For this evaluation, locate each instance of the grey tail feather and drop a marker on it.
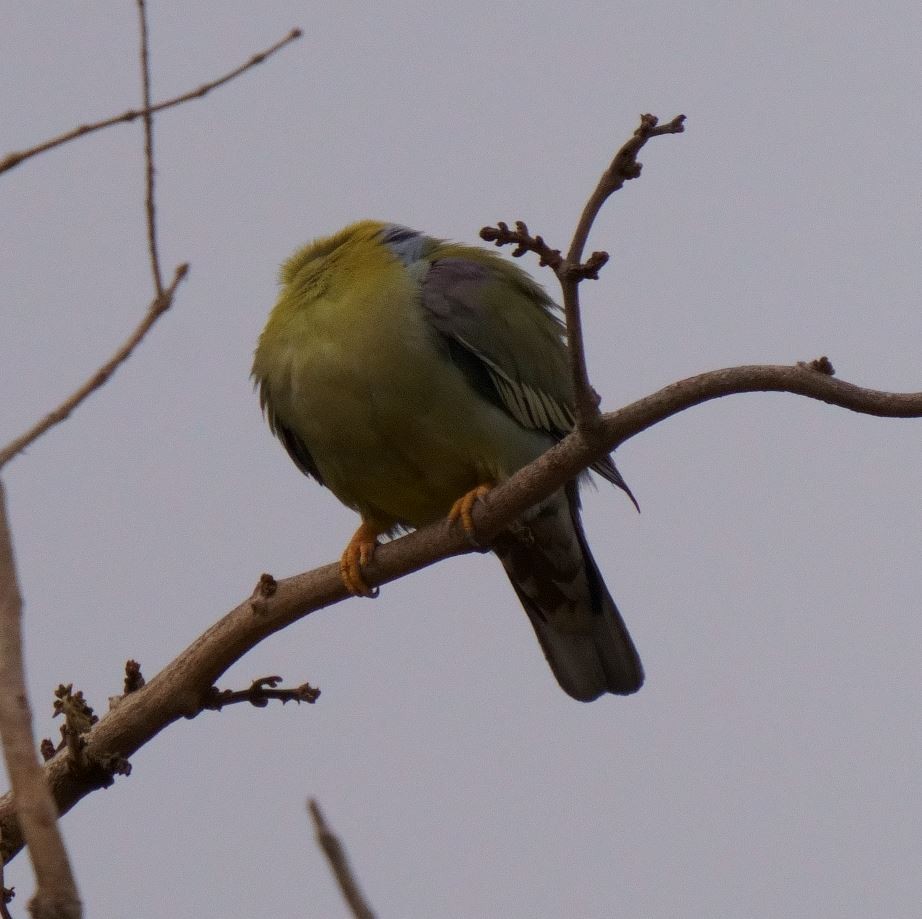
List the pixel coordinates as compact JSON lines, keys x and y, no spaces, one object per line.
{"x":558,"y":582}
{"x":608,"y":470}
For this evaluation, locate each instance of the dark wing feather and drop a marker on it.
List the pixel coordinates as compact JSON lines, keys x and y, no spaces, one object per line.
{"x":293,"y":444}
{"x":500,"y":329}
{"x":502,"y":332}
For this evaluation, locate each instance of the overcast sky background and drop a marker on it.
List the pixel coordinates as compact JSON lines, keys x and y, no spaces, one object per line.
{"x":771,"y":765}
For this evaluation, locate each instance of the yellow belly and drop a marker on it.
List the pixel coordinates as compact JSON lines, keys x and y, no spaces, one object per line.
{"x":394,"y":428}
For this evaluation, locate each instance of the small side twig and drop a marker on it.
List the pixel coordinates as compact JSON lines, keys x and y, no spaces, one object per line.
{"x":623,"y":168}
{"x":264,"y":590}
{"x":79,"y":717}
{"x":47,"y":749}
{"x":15,"y":158}
{"x":524,"y":242}
{"x":819,"y":365}
{"x":339,"y":863}
{"x":156,"y":309}
{"x":260,"y":693}
{"x":134,"y":679}
{"x":148,"y":118}
{"x":56,"y":889}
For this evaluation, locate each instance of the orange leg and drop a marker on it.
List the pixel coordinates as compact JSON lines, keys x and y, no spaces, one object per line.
{"x":358,"y":553}
{"x":461,"y":509}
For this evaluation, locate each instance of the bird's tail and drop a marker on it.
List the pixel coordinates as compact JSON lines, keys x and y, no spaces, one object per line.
{"x":577,"y":623}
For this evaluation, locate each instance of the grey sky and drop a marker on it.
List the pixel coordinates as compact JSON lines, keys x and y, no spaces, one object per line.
{"x":770,"y":767}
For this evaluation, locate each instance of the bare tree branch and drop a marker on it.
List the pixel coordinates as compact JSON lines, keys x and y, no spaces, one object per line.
{"x":56,"y":890}
{"x":339,"y":863}
{"x":156,"y":309}
{"x":148,"y":117}
{"x":572,"y":270}
{"x":32,"y":806}
{"x":623,"y":168}
{"x":181,"y":689}
{"x":260,"y":692}
{"x":15,"y":158}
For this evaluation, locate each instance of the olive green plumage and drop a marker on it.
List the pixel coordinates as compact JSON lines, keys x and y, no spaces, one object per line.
{"x":402,"y":371}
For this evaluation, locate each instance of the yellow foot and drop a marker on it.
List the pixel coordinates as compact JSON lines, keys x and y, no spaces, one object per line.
{"x":358,"y":553}
{"x":461,"y":510}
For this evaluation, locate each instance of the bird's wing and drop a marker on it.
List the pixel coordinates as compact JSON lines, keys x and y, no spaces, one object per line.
{"x":502,"y":330}
{"x":506,"y":338}
{"x":292,"y":443}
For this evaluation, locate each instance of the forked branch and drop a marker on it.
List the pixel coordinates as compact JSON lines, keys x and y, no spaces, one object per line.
{"x":20,"y":156}
{"x":157,"y":308}
{"x":571,"y":270}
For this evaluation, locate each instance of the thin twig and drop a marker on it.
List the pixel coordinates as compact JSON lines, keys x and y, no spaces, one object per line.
{"x":339,"y":863}
{"x":156,"y":309}
{"x":79,"y":717}
{"x":56,"y":890}
{"x":263,"y":591}
{"x":259,"y":694}
{"x":501,"y":235}
{"x":572,"y":270}
{"x":134,"y":679}
{"x":623,"y":167}
{"x":15,"y":158}
{"x":148,"y":118}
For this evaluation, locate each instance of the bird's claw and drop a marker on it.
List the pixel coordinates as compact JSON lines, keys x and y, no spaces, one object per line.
{"x":358,"y":553}
{"x":462,"y":509}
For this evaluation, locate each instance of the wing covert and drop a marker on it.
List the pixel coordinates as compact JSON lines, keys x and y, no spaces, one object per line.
{"x":503,"y":331}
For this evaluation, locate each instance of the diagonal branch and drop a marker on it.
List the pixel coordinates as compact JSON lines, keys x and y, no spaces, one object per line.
{"x":156,"y":309}
{"x":56,"y":889}
{"x":623,"y":168}
{"x":339,"y":864}
{"x":15,"y":158}
{"x":181,"y":689}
